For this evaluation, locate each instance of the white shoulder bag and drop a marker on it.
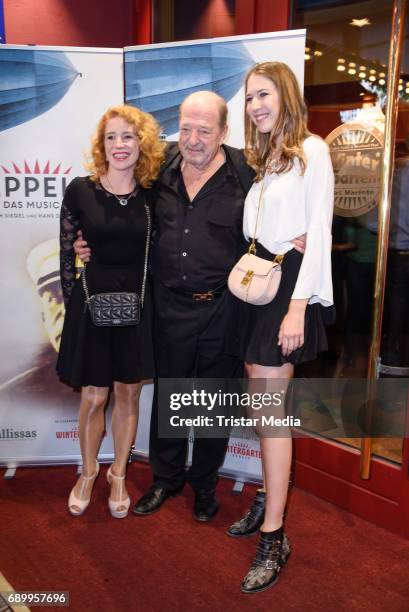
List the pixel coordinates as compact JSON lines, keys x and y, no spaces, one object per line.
{"x":253,"y":279}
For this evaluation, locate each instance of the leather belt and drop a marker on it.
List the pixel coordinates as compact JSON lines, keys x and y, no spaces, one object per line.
{"x":201,"y":296}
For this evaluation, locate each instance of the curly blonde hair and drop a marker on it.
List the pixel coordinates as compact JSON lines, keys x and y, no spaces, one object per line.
{"x":290,"y":129}
{"x":151,"y":148}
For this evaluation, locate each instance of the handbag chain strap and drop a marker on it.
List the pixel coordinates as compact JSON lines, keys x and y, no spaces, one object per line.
{"x":145,"y":266}
{"x":253,"y":248}
{"x":148,"y":240}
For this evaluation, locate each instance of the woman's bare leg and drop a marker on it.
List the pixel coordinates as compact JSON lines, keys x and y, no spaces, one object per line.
{"x":91,"y":428}
{"x":276,"y":455}
{"x":124,"y":423}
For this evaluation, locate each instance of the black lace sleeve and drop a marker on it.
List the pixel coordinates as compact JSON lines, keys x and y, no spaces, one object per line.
{"x":69,"y":225}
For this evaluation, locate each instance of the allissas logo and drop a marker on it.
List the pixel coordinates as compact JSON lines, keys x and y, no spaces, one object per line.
{"x":9,"y":433}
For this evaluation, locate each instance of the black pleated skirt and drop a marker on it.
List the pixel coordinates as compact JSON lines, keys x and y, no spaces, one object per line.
{"x":253,"y":333}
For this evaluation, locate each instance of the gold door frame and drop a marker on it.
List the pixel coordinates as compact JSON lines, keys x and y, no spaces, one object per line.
{"x":388,"y":161}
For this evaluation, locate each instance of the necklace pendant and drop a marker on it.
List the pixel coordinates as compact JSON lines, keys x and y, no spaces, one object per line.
{"x":123,"y":201}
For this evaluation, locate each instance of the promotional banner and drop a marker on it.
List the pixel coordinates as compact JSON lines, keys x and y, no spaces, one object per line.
{"x":159,"y":77}
{"x":50,"y":102}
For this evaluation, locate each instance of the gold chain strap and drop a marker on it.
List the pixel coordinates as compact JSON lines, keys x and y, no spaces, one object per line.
{"x":252,"y":248}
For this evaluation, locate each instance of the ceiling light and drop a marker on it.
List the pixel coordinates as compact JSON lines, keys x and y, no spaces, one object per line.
{"x":341,"y":60}
{"x":351,"y":71}
{"x":318,"y":53}
{"x":360,"y":23}
{"x":372,"y":78}
{"x":340,"y":68}
{"x":382,"y":75}
{"x":381,"y":81}
{"x":307,"y":56}
{"x":362,"y":75}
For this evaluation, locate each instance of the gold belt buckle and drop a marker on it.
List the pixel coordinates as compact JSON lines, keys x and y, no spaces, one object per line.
{"x":246,"y":280}
{"x":203,"y":297}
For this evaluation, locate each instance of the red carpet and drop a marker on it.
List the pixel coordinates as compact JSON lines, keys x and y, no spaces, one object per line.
{"x":169,"y":562}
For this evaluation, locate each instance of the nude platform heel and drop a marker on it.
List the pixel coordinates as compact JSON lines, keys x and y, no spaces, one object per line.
{"x":114,"y":505}
{"x":82,"y":504}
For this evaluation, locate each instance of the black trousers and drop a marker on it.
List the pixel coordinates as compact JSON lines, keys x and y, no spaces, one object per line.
{"x":360,"y":280}
{"x":189,"y":342}
{"x":396,"y":316}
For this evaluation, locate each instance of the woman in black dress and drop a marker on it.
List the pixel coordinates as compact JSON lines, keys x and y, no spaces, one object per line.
{"x":110,"y":207}
{"x":292,"y":195}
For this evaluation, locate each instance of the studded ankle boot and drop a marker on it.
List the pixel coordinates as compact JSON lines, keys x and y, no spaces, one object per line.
{"x":273,"y":550}
{"x":252,"y":520}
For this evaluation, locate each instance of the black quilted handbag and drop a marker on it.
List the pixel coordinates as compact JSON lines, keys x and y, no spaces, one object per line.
{"x":120,"y":308}
{"x":115,"y":309}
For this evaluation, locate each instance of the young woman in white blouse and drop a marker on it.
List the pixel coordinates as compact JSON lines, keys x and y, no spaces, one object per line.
{"x":294,"y":186}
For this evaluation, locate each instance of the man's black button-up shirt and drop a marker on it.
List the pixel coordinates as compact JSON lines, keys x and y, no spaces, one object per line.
{"x":196,"y":243}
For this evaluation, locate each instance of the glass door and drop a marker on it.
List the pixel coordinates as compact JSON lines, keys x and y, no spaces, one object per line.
{"x":346,"y":75}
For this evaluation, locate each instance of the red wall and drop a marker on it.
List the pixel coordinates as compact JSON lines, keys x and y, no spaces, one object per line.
{"x":210,"y":18}
{"x":118,"y":23}
{"x":142,"y":18}
{"x":221,"y":18}
{"x":254,"y":16}
{"x":95,"y":23}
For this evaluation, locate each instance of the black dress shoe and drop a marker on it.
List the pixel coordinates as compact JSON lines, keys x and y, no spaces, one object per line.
{"x":206,"y":506}
{"x":273,"y":550}
{"x":153,"y":500}
{"x":252,"y":520}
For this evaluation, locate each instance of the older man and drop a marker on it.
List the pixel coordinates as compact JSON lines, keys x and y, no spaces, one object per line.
{"x":198,"y":232}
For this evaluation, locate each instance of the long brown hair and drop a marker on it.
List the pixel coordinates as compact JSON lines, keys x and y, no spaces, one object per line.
{"x":151,"y":148}
{"x":290,"y":129}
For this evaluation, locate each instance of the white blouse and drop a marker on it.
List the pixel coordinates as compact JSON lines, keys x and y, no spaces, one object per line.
{"x":295,"y":204}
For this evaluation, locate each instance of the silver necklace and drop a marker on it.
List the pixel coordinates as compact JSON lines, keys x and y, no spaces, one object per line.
{"x":123,"y":201}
